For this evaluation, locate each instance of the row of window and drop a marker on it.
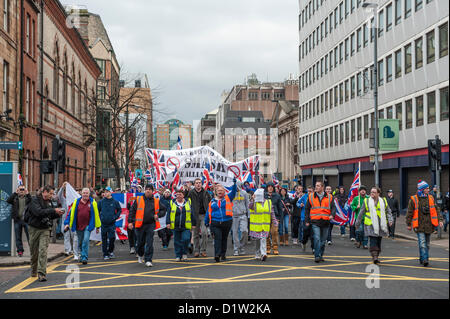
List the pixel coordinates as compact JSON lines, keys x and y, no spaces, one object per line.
{"x":392,"y":66}
{"x":358,"y":39}
{"x":254,"y":96}
{"x":358,"y":129}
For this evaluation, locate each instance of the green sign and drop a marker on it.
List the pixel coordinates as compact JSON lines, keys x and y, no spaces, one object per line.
{"x":389,"y":133}
{"x":7,"y":145}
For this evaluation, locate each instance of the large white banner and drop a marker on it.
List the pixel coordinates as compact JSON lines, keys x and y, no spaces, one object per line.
{"x":188,"y":164}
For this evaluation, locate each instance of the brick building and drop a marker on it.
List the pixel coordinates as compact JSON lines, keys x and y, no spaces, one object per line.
{"x":65,"y":85}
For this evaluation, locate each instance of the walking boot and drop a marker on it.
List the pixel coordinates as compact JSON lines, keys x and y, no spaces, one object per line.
{"x":286,"y":240}
{"x":281,"y":240}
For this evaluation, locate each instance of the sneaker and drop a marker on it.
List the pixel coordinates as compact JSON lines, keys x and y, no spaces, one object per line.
{"x":196,"y":255}
{"x":352,"y":239}
{"x":76,"y":257}
{"x":106,"y":258}
{"x":236,"y":253}
{"x":112,"y":256}
{"x":342,"y":235}
{"x":263,"y":258}
{"x":294,"y":242}
{"x":257,"y":257}
{"x":366,"y":247}
{"x":149,"y":264}
{"x":329,"y":243}
{"x":42,"y":277}
{"x":140,"y":260}
{"x":84,"y":262}
{"x":425,"y":263}
{"x":204,"y":254}
{"x":177,"y":259}
{"x":184,"y":258}
{"x":132,"y":250}
{"x":317,"y":260}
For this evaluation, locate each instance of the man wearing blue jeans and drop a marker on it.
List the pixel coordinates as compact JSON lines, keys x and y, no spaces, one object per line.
{"x":109,"y":210}
{"x":83,"y":218}
{"x":319,"y":211}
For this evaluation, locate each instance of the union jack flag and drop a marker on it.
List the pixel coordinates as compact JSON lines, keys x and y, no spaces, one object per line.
{"x":275,"y":180}
{"x":353,"y":192}
{"x":247,"y":177}
{"x":208,"y":177}
{"x":19,"y":180}
{"x":148,"y":175}
{"x":157,"y":163}
{"x":251,"y":165}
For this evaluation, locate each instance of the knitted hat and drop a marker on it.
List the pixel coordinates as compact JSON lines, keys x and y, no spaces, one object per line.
{"x":422,"y":185}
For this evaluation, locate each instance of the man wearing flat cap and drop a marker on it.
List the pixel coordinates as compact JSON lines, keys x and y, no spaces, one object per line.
{"x":393,"y":204}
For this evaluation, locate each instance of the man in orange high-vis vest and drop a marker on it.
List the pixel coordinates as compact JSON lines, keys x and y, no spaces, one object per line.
{"x":423,"y":216}
{"x":319,"y":211}
{"x":144,"y":217}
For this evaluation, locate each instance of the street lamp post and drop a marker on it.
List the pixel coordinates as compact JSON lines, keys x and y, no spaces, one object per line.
{"x":374,"y":8}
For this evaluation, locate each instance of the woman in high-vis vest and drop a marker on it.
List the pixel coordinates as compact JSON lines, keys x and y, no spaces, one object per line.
{"x":261,"y":215}
{"x":181,"y":220}
{"x":376,"y":215}
{"x":422,"y":217}
{"x":220,"y":218}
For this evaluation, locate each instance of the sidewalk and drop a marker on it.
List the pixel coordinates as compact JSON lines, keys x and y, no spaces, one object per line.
{"x":54,"y":251}
{"x":402,"y":232}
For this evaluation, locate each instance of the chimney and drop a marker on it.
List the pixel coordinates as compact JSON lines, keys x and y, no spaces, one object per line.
{"x":137,"y":83}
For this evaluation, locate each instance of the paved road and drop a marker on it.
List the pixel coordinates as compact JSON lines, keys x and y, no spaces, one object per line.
{"x":291,"y":275}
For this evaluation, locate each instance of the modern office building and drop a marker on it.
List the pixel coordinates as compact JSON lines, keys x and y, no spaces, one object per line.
{"x":166,"y":135}
{"x":336,"y":54}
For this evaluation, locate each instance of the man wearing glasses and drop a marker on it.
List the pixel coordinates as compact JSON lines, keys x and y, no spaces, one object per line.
{"x":19,"y":201}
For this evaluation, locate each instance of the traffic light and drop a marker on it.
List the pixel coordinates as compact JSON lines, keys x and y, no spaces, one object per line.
{"x":434,"y":153}
{"x":59,"y":154}
{"x":47,"y":167}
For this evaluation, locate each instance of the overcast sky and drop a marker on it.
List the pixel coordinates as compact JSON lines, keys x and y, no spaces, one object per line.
{"x":192,"y":50}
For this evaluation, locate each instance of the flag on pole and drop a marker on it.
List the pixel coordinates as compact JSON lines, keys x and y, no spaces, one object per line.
{"x":19,"y":180}
{"x":179,"y":145}
{"x":345,"y":214}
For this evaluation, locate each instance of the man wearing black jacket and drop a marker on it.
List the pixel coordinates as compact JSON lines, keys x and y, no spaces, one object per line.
{"x":274,"y":241}
{"x":39,"y":216}
{"x":200,"y":199}
{"x":393,"y":204}
{"x":145,"y":225}
{"x":19,"y":201}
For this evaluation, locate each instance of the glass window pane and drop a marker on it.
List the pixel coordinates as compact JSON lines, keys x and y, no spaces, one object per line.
{"x":409,"y":114}
{"x":407,"y":8}
{"x":399,"y":114}
{"x":418,"y":5}
{"x":430,"y":47}
{"x":389,"y":68}
{"x":359,"y":128}
{"x":380,"y":73}
{"x":419,"y":110}
{"x":380,"y":23}
{"x":389,"y":113}
{"x":398,"y":11}
{"x":419,"y":53}
{"x":444,"y":103}
{"x":398,"y":64}
{"x":388,"y":17}
{"x":408,"y":59}
{"x":431,"y":107}
{"x":443,"y":40}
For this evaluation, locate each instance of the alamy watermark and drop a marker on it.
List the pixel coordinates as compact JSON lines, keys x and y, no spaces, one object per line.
{"x":73,"y":279}
{"x":373,"y":280}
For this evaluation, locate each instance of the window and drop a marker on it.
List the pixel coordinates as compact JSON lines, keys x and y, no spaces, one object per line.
{"x":419,"y":53}
{"x":358,"y":84}
{"x":347,"y":8}
{"x":347,"y":90}
{"x":336,"y":135}
{"x":326,"y":27}
{"x":341,"y":93}
{"x":331,"y":21}
{"x":341,"y":53}
{"x":326,"y":138}
{"x":347,"y":133}
{"x":398,"y":63}
{"x":359,"y":128}
{"x":326,"y":101}
{"x":331,"y":98}
{"x":358,"y":40}
{"x":331,"y":60}
{"x":444,"y":103}
{"x":6,"y":15}
{"x":353,"y":5}
{"x":326,"y":64}
{"x":408,"y":59}
{"x":430,"y":47}
{"x":419,"y":110}
{"x":443,"y":40}
{"x":336,"y":18}
{"x":398,"y":11}
{"x":352,"y":44}
{"x":380,"y":73}
{"x":352,"y":130}
{"x":366,"y":126}
{"x":389,"y":68}
{"x":380,"y":23}
{"x":265,"y":95}
{"x":366,"y":80}
{"x":321,"y":140}
{"x":336,"y":57}
{"x":33,"y":32}
{"x":365,"y":35}
{"x":5,"y":100}
{"x":431,"y":107}
{"x":407,"y":8}
{"x":398,"y":114}
{"x":347,"y":48}
{"x":27,"y":101}
{"x":388,"y":17}
{"x":418,"y":5}
{"x":409,"y":114}
{"x":252,"y":95}
{"x":389,"y":112}
{"x":331,"y":137}
{"x":341,"y":12}
{"x":381,"y":114}
{"x":27,"y":34}
{"x":352,"y":87}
